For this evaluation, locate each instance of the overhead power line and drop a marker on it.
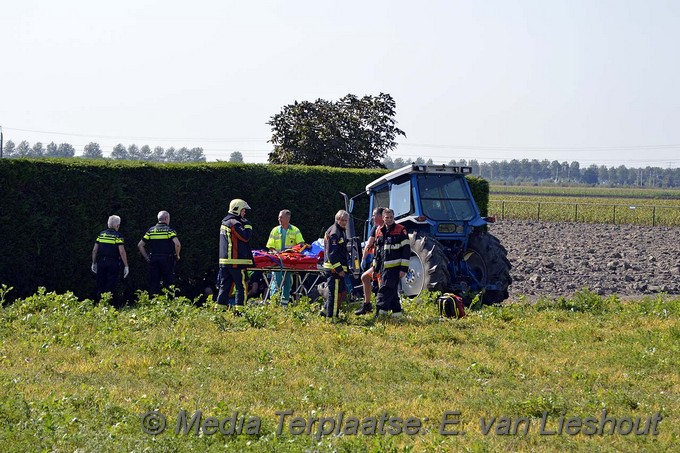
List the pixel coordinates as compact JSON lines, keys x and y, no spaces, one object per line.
{"x":543,"y":148}
{"x":232,"y":146}
{"x":420,"y":145}
{"x":192,"y":139}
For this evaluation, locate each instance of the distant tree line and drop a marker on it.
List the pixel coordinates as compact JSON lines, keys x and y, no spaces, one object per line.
{"x":533,"y":171}
{"x":93,"y":151}
{"x":515,"y":171}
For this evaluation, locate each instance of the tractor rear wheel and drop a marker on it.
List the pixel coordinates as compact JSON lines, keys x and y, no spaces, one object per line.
{"x":428,"y":267}
{"x":487,"y":262}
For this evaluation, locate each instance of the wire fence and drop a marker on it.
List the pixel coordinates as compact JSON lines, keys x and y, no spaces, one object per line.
{"x":555,"y":211}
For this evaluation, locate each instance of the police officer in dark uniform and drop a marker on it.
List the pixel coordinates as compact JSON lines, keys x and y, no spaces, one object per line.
{"x":164,"y":251}
{"x":107,"y":255}
{"x":235,"y":255}
{"x":335,"y":261}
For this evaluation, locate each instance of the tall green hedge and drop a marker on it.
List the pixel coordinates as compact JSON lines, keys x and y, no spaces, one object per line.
{"x":52,"y":210}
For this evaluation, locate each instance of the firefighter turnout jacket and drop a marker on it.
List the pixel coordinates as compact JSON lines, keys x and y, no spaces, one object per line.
{"x":335,"y":254}
{"x":393,"y":249}
{"x":235,"y":233}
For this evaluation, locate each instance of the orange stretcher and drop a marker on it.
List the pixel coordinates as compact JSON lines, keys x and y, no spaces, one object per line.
{"x":294,"y":258}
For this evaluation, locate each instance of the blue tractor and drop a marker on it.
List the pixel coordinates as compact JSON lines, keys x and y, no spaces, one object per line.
{"x":451,"y":251}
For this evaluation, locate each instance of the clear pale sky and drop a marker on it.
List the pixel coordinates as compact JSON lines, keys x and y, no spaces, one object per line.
{"x":597,"y":81}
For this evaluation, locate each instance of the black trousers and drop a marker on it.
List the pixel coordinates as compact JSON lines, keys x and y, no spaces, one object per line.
{"x":232,"y":279}
{"x":161,"y":272}
{"x":388,"y":297}
{"x":107,"y":275}
{"x":336,"y":291}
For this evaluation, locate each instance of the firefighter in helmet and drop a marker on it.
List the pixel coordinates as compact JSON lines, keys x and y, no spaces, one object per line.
{"x":235,"y":254}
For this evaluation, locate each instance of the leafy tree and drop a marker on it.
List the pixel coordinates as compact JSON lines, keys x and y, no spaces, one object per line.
{"x":145,"y":152}
{"x":590,"y":175}
{"x":23,"y":149}
{"x":494,"y":168}
{"x":514,"y":169}
{"x":119,"y":152}
{"x":92,"y":151}
{"x":622,"y":176}
{"x":603,"y":174}
{"x":555,"y":169}
{"x":63,"y":150}
{"x":353,"y":132}
{"x":575,"y":171}
{"x":185,"y":154}
{"x":66,"y":150}
{"x":399,"y":162}
{"x":158,"y":154}
{"x":236,"y":156}
{"x":196,"y":155}
{"x":37,"y":150}
{"x":182,"y":155}
{"x":564,"y":171}
{"x":133,"y":152}
{"x":51,"y":150}
{"x":475,"y":166}
{"x":8,"y":149}
{"x":387,"y":162}
{"x":170,"y":154}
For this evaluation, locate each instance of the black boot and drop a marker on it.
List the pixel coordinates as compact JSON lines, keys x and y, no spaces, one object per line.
{"x":365,"y":308}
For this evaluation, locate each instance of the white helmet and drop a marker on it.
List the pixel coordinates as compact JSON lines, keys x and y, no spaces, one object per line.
{"x":236,"y":205}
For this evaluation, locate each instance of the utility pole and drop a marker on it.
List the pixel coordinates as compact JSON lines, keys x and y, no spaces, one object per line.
{"x":1,"y":145}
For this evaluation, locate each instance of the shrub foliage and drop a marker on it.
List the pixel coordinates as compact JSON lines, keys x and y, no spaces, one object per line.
{"x":52,"y":210}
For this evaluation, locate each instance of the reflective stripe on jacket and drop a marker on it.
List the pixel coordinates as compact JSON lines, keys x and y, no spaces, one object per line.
{"x":335,"y":254}
{"x":293,"y":237}
{"x":393,"y":248}
{"x":108,"y":241}
{"x":160,"y":239}
{"x":235,"y":233}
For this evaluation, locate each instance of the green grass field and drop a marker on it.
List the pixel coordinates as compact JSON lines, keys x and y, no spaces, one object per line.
{"x":78,"y":377}
{"x":586,"y":204}
{"x":587,"y":191}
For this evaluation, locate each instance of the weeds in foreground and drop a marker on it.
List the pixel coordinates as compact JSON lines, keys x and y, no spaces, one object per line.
{"x":79,"y":376}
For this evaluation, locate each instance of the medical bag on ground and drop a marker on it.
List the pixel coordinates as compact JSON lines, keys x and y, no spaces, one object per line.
{"x":451,"y":306}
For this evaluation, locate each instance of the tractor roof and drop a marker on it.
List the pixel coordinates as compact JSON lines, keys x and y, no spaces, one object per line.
{"x":419,"y":168}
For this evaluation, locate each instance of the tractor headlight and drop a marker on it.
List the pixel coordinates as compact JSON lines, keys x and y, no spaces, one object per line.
{"x":447,"y":228}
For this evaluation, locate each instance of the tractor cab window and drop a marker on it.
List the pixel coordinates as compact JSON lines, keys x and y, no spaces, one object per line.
{"x":400,"y":199}
{"x":381,"y":197}
{"x":444,"y":197}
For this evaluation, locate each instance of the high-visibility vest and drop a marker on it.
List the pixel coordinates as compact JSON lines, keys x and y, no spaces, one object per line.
{"x":293,"y":237}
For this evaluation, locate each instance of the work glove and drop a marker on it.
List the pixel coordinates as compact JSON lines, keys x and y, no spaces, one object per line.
{"x":365,"y":264}
{"x":94,"y":268}
{"x":349,"y":287}
{"x":126,"y":271}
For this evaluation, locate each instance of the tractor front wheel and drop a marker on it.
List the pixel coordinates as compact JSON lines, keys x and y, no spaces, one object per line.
{"x":428,"y":267}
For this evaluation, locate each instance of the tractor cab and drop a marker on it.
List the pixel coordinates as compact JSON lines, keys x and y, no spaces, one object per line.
{"x":450,"y":248}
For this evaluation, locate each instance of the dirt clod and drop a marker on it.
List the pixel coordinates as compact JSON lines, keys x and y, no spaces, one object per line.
{"x":553,"y":259}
